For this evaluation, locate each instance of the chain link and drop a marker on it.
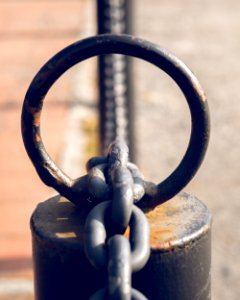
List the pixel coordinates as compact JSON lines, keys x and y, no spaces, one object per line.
{"x":102,"y":175}
{"x":120,"y":182}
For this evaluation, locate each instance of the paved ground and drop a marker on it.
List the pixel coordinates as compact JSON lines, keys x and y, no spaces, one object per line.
{"x":204,"y":34}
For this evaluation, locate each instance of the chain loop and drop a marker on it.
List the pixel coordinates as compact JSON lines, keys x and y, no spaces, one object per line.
{"x":115,"y":179}
{"x":121,"y":206}
{"x":119,"y":268}
{"x":96,"y":231}
{"x":112,"y":175}
{"x":97,"y":187}
{"x":138,"y":182}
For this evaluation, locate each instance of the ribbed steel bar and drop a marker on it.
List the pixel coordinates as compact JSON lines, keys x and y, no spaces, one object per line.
{"x":115,"y":88}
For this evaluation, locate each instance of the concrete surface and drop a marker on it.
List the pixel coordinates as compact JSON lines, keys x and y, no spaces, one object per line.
{"x":205,"y":35}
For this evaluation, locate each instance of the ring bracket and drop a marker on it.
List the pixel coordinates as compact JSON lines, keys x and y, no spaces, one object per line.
{"x":125,"y":45}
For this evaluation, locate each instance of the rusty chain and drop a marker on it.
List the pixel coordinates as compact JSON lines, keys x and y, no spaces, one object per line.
{"x":105,"y":245}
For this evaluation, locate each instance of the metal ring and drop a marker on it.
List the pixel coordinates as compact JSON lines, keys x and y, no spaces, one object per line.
{"x":138,"y":182}
{"x":97,"y":186}
{"x":126,"y":45}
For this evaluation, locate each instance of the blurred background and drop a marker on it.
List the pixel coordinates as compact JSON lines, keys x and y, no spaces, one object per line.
{"x":204,"y":34}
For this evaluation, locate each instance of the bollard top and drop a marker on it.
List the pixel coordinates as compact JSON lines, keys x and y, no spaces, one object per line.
{"x":173,"y":225}
{"x":58,"y":223}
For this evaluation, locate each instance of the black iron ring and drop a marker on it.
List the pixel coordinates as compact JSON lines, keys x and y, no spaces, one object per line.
{"x":126,"y":45}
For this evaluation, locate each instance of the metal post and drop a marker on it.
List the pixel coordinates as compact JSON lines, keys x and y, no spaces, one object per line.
{"x":61,"y":269}
{"x":178,"y":268}
{"x":114,"y":72}
{"x":180,"y":262}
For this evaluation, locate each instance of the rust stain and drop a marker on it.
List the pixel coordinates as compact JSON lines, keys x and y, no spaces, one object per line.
{"x":161,"y":238}
{"x":180,"y":65}
{"x":127,"y":233}
{"x":198,"y":88}
{"x":158,"y":213}
{"x":38,"y":137}
{"x":177,"y":222}
{"x":32,"y":110}
{"x":66,"y":235}
{"x":163,"y":231}
{"x":36,"y":114}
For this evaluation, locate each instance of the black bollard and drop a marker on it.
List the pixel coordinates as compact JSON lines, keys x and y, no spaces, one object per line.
{"x":179,"y":264}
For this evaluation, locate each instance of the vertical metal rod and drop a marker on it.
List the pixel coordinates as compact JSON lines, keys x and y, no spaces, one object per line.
{"x":114,"y":72}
